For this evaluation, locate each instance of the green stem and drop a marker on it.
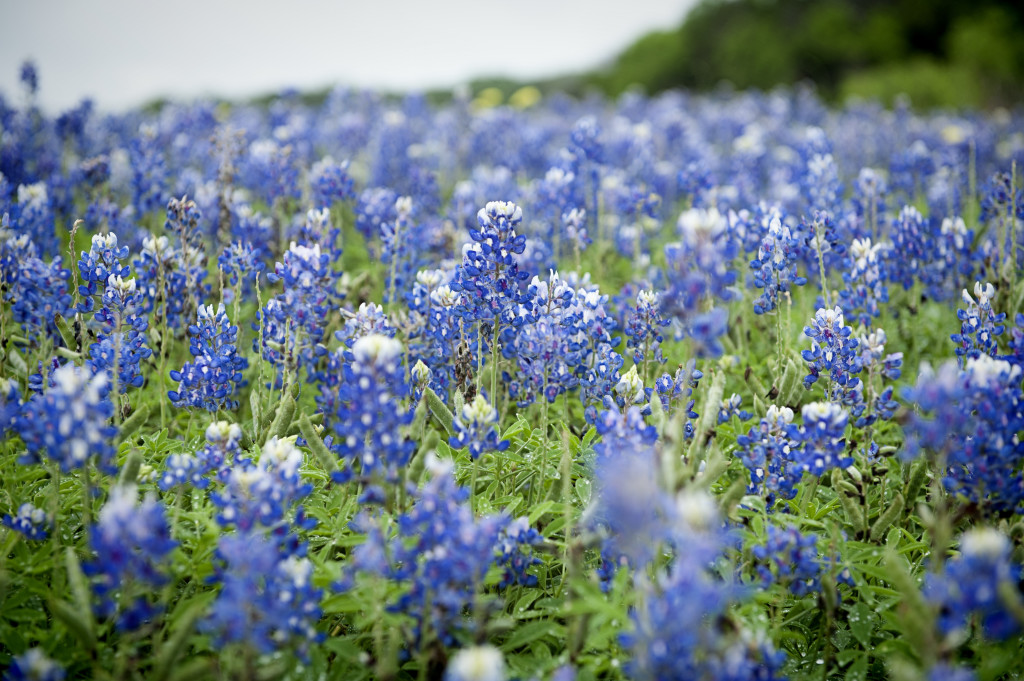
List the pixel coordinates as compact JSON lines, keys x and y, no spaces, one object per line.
{"x":494,"y":358}
{"x":86,"y":497}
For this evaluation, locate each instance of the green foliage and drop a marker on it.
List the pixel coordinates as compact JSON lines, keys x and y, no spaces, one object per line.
{"x":940,"y":54}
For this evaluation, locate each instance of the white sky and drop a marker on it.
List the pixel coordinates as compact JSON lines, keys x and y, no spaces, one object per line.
{"x":125,"y":52}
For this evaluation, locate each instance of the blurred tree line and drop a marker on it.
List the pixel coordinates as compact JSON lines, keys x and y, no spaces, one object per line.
{"x":939,"y":52}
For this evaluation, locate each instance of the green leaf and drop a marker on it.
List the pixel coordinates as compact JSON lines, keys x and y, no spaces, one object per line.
{"x":439,"y":409}
{"x":75,"y":621}
{"x":861,"y":620}
{"x":324,"y":455}
{"x":173,"y":647}
{"x":858,"y":671}
{"x":532,"y":631}
{"x":583,"y":490}
{"x":80,"y":590}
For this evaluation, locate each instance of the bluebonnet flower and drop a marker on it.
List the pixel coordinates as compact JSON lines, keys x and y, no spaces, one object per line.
{"x":476,"y":428}
{"x":865,"y":281}
{"x":34,"y":215}
{"x":822,"y":445}
{"x":241,"y":262}
{"x":515,"y":553}
{"x":131,"y":542}
{"x":250,"y":226}
{"x":938,"y":254}
{"x":29,"y":76}
{"x":975,"y":583}
{"x":698,"y":271}
{"x":776,"y":266}
{"x":574,"y":222}
{"x":102,"y":261}
{"x":1015,"y":354}
{"x":34,"y":665}
{"x":183,"y":469}
{"x":588,"y":157}
{"x":489,"y":277}
{"x":820,"y":183}
{"x":10,"y":404}
{"x":477,"y":663}
{"x":262,"y":493}
{"x":149,"y":171}
{"x":869,"y":200}
{"x":270,"y":168}
{"x":440,"y":556}
{"x":398,"y":247}
{"x":643,"y":329}
{"x":979,"y":324}
{"x":673,"y":388}
{"x":629,"y":503}
{"x":30,"y":521}
{"x":975,"y":416}
{"x":999,"y":199}
{"x":438,"y":337}
{"x":294,"y":320}
{"x":770,"y":454}
{"x":267,"y":599}
{"x":368,"y":320}
{"x":943,"y":671}
{"x":69,"y":421}
{"x":374,"y":207}
{"x":599,"y":379}
{"x":550,"y":349}
{"x":365,"y":412}
{"x":678,"y":631}
{"x":122,"y":340}
{"x":732,"y":406}
{"x":216,"y":373}
{"x":789,"y":558}
{"x":833,"y":353}
{"x":888,"y":367}
{"x":35,"y":291}
{"x":330,"y":183}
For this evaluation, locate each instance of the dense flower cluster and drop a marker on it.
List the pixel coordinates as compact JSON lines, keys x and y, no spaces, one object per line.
{"x":131,"y":542}
{"x":968,"y":421}
{"x":980,"y":325}
{"x":977,"y":582}
{"x":833,"y":354}
{"x":769,"y":452}
{"x":366,"y":415}
{"x":699,"y":271}
{"x":440,"y":556}
{"x":212,"y":379}
{"x":775,"y":266}
{"x":69,"y":421}
{"x":267,"y":598}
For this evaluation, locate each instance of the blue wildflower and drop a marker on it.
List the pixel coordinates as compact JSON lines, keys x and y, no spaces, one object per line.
{"x":267,"y":598}
{"x":821,"y":438}
{"x":30,"y":521}
{"x":131,"y":542}
{"x":34,"y":665}
{"x":769,"y":453}
{"x":975,"y":583}
{"x":216,"y":373}
{"x":69,"y":421}
{"x":979,"y":324}
{"x":775,"y":266}
{"x":476,"y":428}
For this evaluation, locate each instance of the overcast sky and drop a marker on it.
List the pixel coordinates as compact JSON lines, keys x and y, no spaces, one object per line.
{"x":125,"y":52}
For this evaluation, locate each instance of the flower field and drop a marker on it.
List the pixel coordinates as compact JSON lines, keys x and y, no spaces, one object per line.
{"x":722,"y":386}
